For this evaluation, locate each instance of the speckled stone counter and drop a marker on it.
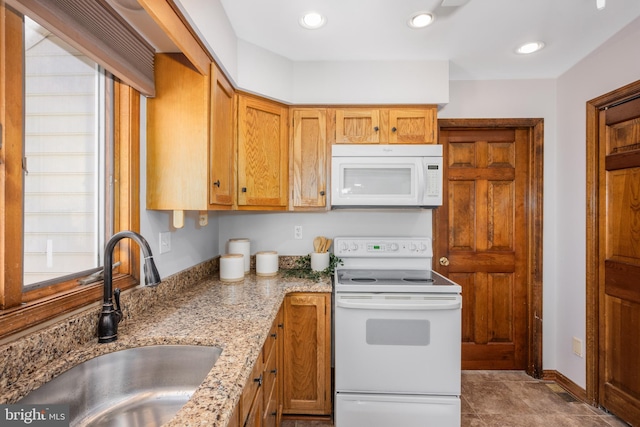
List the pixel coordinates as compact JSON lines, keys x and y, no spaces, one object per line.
{"x":235,"y":317}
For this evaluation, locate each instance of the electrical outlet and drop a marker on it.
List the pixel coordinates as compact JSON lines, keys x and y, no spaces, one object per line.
{"x":297,"y":232}
{"x":577,"y":347}
{"x":165,"y":242}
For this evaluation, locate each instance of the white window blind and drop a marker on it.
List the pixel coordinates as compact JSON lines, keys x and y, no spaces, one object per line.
{"x":95,"y":29}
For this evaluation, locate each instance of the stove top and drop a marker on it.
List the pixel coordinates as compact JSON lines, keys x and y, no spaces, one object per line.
{"x":388,"y":264}
{"x":390,"y":280}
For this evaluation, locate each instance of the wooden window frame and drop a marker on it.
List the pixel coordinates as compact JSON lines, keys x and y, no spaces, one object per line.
{"x":22,"y":310}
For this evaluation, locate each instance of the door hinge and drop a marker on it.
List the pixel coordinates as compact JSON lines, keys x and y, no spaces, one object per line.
{"x":24,"y":166}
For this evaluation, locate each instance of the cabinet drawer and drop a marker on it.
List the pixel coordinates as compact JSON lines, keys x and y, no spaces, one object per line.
{"x":270,"y":374}
{"x":271,"y":340}
{"x":251,"y":387}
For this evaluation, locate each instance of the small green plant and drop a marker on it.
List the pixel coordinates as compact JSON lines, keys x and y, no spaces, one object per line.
{"x":302,"y":268}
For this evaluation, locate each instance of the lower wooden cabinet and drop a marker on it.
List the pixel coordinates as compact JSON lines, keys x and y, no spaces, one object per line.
{"x":260,"y":403}
{"x":307,"y":354}
{"x":293,"y":372}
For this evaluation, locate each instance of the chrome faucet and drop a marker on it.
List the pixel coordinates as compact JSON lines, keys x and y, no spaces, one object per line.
{"x":110,"y":317}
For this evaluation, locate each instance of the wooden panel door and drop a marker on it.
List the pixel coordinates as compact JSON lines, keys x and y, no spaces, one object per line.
{"x":307,"y":354}
{"x":619,"y":224}
{"x":263,"y":167}
{"x":412,"y":126}
{"x":482,"y":241}
{"x":358,"y":126}
{"x":222,"y":151}
{"x":308,"y":158}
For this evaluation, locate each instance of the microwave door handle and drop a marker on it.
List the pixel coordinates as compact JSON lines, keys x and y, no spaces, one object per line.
{"x":398,"y":305}
{"x":421,"y":182}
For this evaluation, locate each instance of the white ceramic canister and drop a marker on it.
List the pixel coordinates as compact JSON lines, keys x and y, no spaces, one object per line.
{"x":266,"y":263}
{"x":231,"y":267}
{"x":241,"y":246}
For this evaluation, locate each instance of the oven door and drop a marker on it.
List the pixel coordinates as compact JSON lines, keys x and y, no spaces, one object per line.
{"x":398,"y":343}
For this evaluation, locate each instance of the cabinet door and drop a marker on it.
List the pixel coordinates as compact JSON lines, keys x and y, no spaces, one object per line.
{"x":358,"y":126}
{"x":177,"y":136}
{"x":308,"y":158}
{"x":307,"y":354}
{"x":223,"y":147}
{"x":262,"y":153}
{"x":412,"y":126}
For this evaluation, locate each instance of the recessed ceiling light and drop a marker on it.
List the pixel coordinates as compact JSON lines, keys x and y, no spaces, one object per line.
{"x":312,"y":20}
{"x":528,"y":48}
{"x":420,"y":19}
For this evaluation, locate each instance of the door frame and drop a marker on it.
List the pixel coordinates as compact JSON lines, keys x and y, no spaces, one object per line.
{"x":534,"y":205}
{"x":594,"y":270}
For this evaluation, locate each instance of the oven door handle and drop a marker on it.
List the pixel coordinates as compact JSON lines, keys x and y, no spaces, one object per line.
{"x":398,"y":304}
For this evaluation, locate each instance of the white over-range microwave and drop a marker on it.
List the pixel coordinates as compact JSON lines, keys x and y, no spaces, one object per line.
{"x":399,"y":176}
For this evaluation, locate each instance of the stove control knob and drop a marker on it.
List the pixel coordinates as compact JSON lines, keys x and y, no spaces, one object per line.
{"x":354,"y":246}
{"x":422,"y":247}
{"x":413,"y":247}
{"x":394,"y":247}
{"x":344,"y":246}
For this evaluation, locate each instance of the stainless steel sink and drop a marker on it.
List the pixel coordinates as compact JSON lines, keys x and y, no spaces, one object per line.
{"x":142,"y":386}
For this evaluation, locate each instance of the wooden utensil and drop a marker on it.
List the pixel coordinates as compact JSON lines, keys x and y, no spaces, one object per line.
{"x":316,"y":244}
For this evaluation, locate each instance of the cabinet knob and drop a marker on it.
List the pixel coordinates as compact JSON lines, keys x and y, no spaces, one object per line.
{"x":217,"y":183}
{"x":393,"y":129}
{"x":274,"y":335}
{"x":322,"y":193}
{"x":244,"y":189}
{"x":444,"y":261}
{"x":258,"y":380}
{"x":274,"y":372}
{"x":376,"y":128}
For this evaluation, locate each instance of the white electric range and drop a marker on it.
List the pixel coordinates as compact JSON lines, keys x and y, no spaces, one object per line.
{"x":397,"y":335}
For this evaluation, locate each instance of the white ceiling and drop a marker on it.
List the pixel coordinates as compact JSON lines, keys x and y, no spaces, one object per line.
{"x":478,"y":39}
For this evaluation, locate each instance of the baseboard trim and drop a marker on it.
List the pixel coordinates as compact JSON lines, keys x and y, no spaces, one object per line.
{"x":574,"y":389}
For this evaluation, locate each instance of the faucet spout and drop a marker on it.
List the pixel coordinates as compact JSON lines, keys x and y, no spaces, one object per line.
{"x":110,"y":316}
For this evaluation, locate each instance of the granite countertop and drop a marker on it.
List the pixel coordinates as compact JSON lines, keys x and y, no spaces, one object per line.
{"x":234,"y":316}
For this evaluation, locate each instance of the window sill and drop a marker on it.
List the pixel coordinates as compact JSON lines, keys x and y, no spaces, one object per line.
{"x":35,"y":312}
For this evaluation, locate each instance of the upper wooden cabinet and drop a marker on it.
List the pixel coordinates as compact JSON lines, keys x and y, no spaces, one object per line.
{"x":308,"y":159}
{"x":223,"y":142}
{"x":189,"y":126}
{"x":263,"y":169}
{"x":401,"y":125}
{"x":412,"y":126}
{"x":357,"y":126}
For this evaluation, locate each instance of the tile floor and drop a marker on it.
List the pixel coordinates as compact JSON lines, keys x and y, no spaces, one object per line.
{"x":514,"y":399}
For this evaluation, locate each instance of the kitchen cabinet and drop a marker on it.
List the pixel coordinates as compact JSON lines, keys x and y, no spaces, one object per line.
{"x":263,"y":168}
{"x":376,"y":125}
{"x":307,"y":354}
{"x":308,"y":160}
{"x":223,"y":142}
{"x":261,"y":402}
{"x":412,"y":126}
{"x":190,"y":129}
{"x":357,"y":126}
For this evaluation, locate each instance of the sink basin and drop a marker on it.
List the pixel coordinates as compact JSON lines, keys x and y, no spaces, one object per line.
{"x":142,"y":386}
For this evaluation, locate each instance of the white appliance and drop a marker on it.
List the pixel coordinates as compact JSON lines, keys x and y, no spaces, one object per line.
{"x":397,"y":335}
{"x":386,"y":175}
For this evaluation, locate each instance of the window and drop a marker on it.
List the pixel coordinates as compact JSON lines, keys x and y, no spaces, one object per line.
{"x":66,"y":144}
{"x":54,"y":177}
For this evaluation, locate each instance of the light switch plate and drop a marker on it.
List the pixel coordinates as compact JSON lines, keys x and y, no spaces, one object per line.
{"x":165,"y":242}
